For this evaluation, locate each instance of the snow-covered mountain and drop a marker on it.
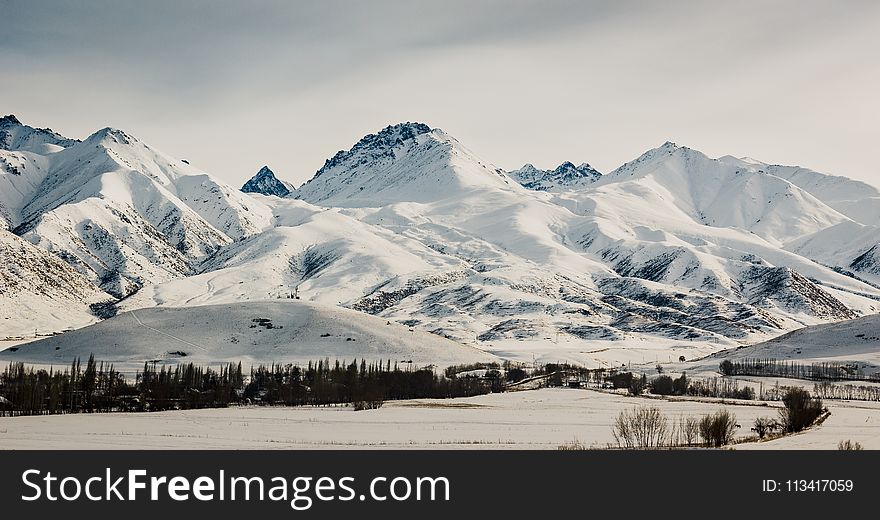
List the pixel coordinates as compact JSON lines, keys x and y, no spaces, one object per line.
{"x":124,"y":214}
{"x":672,"y":253}
{"x":411,"y":226}
{"x":116,"y":210}
{"x":564,"y":177}
{"x":265,"y":183}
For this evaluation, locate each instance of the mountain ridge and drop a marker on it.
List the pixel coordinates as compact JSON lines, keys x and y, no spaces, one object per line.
{"x":671,"y":252}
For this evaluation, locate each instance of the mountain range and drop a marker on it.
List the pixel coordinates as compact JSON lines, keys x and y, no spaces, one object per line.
{"x":673,"y":253}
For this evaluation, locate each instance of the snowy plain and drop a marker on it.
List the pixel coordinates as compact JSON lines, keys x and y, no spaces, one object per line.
{"x":535,"y":419}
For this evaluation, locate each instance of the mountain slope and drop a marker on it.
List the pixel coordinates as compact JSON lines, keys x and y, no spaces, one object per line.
{"x":857,"y":200}
{"x":718,"y":194}
{"x":255,"y":332}
{"x":41,"y":293}
{"x":853,"y":342}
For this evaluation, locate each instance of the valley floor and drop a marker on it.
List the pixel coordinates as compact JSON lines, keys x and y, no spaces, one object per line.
{"x":541,"y":419}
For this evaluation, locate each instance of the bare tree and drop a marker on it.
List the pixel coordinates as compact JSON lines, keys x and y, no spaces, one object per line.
{"x":641,"y":428}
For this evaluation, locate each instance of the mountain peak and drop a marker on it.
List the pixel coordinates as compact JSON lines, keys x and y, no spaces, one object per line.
{"x":265,"y":183}
{"x":15,"y":135}
{"x":565,"y":176}
{"x":111,"y":133}
{"x":9,"y":121}
{"x":378,"y":145}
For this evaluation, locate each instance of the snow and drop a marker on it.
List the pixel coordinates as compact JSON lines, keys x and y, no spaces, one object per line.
{"x":852,"y":341}
{"x":296,"y":332}
{"x":542,"y":419}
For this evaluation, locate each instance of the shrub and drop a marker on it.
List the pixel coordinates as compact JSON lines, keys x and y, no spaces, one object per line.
{"x":637,"y":385}
{"x":621,"y":379}
{"x":688,"y":430}
{"x":800,"y":409}
{"x":849,"y":445}
{"x":641,"y":428}
{"x":515,"y":374}
{"x":680,"y":385}
{"x":662,"y":385}
{"x":764,"y":425}
{"x":571,"y":446}
{"x":746,"y":393}
{"x":726,"y":367}
{"x":717,"y":429}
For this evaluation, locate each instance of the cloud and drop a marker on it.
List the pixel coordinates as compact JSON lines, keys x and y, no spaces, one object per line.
{"x":289,"y":83}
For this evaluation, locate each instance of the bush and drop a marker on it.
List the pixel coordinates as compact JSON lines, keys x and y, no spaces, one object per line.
{"x":764,"y":425}
{"x":367,"y":405}
{"x":662,"y":385}
{"x":680,"y":385}
{"x":688,"y":430}
{"x":800,"y":410}
{"x":641,"y":428}
{"x":747,"y":393}
{"x":726,"y":367}
{"x":849,"y":445}
{"x":637,"y":385}
{"x":515,"y":375}
{"x":621,"y":379}
{"x":717,"y":429}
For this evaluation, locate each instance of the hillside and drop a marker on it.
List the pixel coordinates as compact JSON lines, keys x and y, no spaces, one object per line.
{"x":253,"y":333}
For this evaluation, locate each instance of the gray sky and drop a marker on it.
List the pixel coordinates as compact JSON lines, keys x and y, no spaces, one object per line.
{"x":231,"y":86}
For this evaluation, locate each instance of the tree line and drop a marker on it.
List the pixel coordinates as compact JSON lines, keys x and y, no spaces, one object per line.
{"x":826,"y":371}
{"x":99,"y":387}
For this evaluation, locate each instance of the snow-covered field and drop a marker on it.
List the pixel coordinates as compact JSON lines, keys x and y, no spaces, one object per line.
{"x":539,"y":419}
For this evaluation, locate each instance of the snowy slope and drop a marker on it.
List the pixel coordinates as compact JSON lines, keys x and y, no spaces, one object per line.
{"x":857,"y":200}
{"x":20,"y":175}
{"x":852,"y":342}
{"x":850,"y":247}
{"x":255,"y":332}
{"x":564,"y":177}
{"x":265,"y":183}
{"x":41,"y":293}
{"x":321,"y":255}
{"x":124,"y":214}
{"x":718,"y":194}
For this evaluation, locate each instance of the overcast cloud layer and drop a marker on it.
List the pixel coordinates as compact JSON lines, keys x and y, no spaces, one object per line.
{"x":231,"y":86}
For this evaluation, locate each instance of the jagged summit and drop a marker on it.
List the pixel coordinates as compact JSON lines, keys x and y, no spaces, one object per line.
{"x":407,"y":162}
{"x":566,"y":176}
{"x":16,"y":136}
{"x":377,"y":145}
{"x":265,"y":183}
{"x":9,"y":120}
